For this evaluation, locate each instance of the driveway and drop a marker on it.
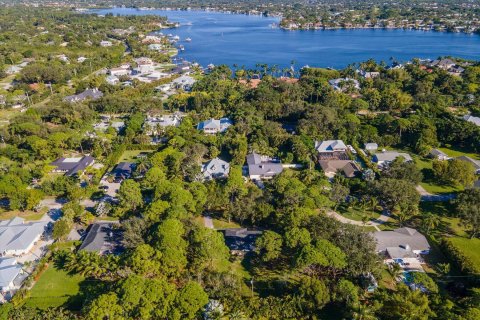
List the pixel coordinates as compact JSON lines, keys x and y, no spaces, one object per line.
{"x":112,"y":187}
{"x":372,"y":223}
{"x":208,"y":222}
{"x":428,"y":197}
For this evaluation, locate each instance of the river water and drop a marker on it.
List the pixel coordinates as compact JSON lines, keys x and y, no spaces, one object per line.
{"x":221,"y":38}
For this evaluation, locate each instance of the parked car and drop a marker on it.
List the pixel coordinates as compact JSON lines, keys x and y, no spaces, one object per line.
{"x":103,"y":187}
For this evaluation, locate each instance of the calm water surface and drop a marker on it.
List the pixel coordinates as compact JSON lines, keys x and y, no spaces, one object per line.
{"x":221,"y":38}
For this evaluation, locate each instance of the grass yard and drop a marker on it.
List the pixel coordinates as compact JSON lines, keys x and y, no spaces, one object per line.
{"x":356,"y":214}
{"x":452,"y":152}
{"x":469,"y":248}
{"x":27,"y":215}
{"x":56,"y":288}
{"x":221,"y":224}
{"x":429,"y":182}
{"x":131,"y":155}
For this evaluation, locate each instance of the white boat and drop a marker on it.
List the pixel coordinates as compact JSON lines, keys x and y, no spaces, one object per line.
{"x":182,"y":48}
{"x":176,"y":38}
{"x":188,"y":39}
{"x":211,"y":66}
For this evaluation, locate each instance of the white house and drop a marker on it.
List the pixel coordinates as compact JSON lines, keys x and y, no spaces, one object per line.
{"x":113,"y":80}
{"x":341,"y":84}
{"x":371,"y":147}
{"x":18,"y":237}
{"x":121,"y":71}
{"x":213,"y":126}
{"x":472,"y":119}
{"x":105,"y":43}
{"x":439,"y":155}
{"x":155,"y":47}
{"x":9,"y":271}
{"x":155,"y":125}
{"x":184,"y":82}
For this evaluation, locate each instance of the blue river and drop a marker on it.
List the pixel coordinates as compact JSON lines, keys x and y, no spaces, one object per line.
{"x":244,"y":40}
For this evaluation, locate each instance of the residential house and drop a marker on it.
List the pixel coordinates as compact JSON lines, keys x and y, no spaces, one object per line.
{"x":331,"y":150}
{"x":384,"y":158}
{"x":156,"y":125}
{"x":472,"y":119}
{"x":112,"y":80}
{"x":103,"y":238}
{"x":9,"y":271}
{"x":369,"y":75}
{"x":105,"y":43}
{"x":184,"y":82}
{"x":213,"y":126}
{"x":120,"y":71}
{"x":215,"y":169}
{"x":155,"y":47}
{"x":240,"y":240}
{"x":347,"y":167}
{"x":92,"y":94}
{"x":475,"y":163}
{"x":403,"y":246}
{"x":444,"y":64}
{"x":343,"y":84}
{"x":439,"y":155}
{"x":118,"y":125}
{"x":371,"y":147}
{"x":124,"y":170}
{"x":81,"y":59}
{"x":18,"y":237}
{"x":72,"y":166}
{"x":262,"y":167}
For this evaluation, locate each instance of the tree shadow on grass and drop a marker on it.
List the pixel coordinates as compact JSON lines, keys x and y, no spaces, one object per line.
{"x":90,"y":289}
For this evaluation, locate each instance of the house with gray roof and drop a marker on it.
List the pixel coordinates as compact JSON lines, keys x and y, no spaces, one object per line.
{"x":407,"y":239}
{"x":18,"y":237}
{"x":92,"y":94}
{"x":384,"y":158}
{"x":331,"y":150}
{"x":262,"y":167}
{"x":72,"y":166}
{"x":102,"y":237}
{"x":213,"y":126}
{"x":155,"y":125}
{"x":472,"y":119}
{"x":474,"y":163}
{"x":9,"y":271}
{"x":215,"y":169}
{"x":184,"y":82}
{"x":371,"y":147}
{"x":439,"y":155}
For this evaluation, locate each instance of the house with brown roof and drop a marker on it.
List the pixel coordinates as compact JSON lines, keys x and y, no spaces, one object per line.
{"x":346,"y":167}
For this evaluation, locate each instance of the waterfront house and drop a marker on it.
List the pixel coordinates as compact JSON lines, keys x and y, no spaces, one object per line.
{"x":18,"y":237}
{"x":72,"y":166}
{"x":262,"y":167}
{"x":344,"y":84}
{"x":215,"y":169}
{"x":120,"y":71}
{"x":184,"y":82}
{"x":213,"y":126}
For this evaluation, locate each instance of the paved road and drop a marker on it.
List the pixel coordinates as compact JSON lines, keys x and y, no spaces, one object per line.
{"x":208,"y":222}
{"x":428,"y":197}
{"x":372,"y":223}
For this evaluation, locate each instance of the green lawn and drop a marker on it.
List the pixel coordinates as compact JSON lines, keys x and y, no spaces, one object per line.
{"x":356,"y":214}
{"x":452,"y":152}
{"x":27,"y":215}
{"x":469,"y":248}
{"x":55,"y":288}
{"x":429,"y":182}
{"x":131,"y":155}
{"x":221,"y":224}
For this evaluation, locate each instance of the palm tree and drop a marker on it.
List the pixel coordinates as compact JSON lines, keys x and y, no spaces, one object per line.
{"x":364,"y":312}
{"x":430,"y":221}
{"x":395,"y":270}
{"x":373,"y":203}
